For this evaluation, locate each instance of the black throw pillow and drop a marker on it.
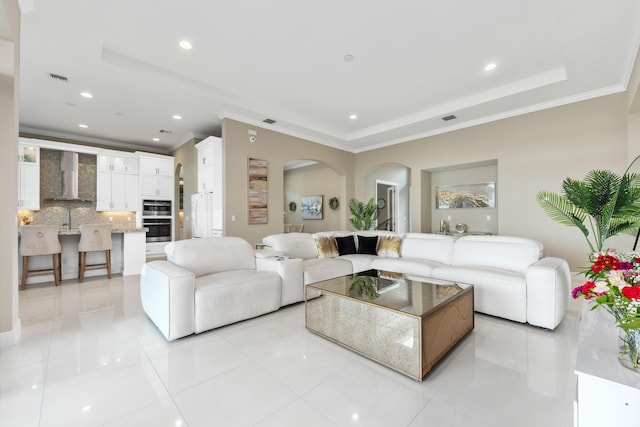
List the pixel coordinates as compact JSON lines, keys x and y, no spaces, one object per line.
{"x":367,"y":245}
{"x":346,"y":245}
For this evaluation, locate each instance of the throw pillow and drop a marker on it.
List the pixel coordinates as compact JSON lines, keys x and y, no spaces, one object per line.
{"x":389,"y":246}
{"x":367,"y":245}
{"x":346,"y":245}
{"x":327,"y":247}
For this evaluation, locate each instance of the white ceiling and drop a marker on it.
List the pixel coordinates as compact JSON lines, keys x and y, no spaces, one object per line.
{"x":415,"y":61}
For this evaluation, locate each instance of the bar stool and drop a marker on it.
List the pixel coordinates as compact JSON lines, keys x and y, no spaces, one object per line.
{"x":36,"y":240}
{"x":94,"y":237}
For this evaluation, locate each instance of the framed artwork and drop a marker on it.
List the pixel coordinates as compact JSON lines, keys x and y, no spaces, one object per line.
{"x":311,"y":207}
{"x":466,"y":196}
{"x":257,"y":171}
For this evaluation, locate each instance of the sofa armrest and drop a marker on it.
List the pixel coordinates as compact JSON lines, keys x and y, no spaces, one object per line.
{"x":548,"y":288}
{"x":167,"y":296}
{"x":291,"y":272}
{"x":267,"y":253}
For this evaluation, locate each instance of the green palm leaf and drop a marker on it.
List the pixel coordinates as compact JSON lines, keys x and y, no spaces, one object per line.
{"x":610,"y":204}
{"x":561,"y":210}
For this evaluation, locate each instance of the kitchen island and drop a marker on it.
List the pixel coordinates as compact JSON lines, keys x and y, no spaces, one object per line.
{"x":128,"y":255}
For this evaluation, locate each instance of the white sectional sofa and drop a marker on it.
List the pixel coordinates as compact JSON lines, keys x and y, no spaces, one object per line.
{"x":206,"y":283}
{"x":511,"y":279}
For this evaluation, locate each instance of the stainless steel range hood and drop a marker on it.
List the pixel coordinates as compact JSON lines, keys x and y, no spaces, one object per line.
{"x":69,"y":176}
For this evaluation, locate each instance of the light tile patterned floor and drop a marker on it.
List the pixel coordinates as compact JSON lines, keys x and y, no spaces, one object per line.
{"x":89,"y":356}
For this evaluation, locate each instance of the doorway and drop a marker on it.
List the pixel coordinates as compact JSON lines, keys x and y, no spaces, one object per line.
{"x":387,"y":199}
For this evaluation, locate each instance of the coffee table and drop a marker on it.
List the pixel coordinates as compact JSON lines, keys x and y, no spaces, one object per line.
{"x":405,"y":323}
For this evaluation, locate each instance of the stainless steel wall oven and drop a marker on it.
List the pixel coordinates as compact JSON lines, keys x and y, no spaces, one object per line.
{"x":156,"y":208}
{"x":159,"y":229}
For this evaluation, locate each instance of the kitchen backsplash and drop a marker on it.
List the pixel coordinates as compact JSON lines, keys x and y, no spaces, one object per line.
{"x":82,"y":215}
{"x":51,"y":179}
{"x":81,"y":212}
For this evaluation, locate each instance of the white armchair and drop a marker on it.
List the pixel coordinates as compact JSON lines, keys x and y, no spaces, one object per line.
{"x":206,"y":283}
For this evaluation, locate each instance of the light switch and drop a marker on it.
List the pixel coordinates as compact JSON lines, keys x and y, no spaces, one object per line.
{"x":233,"y":218}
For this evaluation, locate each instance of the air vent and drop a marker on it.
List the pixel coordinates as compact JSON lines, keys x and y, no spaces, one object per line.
{"x":269,"y":121}
{"x":449,"y":117}
{"x":58,"y":77}
{"x":165,"y":131}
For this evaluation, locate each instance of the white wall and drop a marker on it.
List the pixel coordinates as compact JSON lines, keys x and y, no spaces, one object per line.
{"x":9,"y":107}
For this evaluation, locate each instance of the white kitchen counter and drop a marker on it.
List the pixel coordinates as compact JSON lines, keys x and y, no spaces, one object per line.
{"x":128,"y":255}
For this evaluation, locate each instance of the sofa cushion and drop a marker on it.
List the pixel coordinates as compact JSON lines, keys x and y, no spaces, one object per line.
{"x":327,"y":247}
{"x":231,"y":296}
{"x":317,"y":269}
{"x":360,"y":262}
{"x":296,"y":245}
{"x":497,"y":292}
{"x":434,"y":247}
{"x":346,"y":245}
{"x":413,"y":266}
{"x":367,"y":245}
{"x":211,"y":254}
{"x":503,"y":252}
{"x":389,"y":246}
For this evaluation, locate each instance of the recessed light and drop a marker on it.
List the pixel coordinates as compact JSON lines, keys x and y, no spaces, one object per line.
{"x":177,"y":117}
{"x":86,"y":95}
{"x":490,"y":67}
{"x":156,"y":139}
{"x":83,"y":126}
{"x":353,"y":116}
{"x":185,"y":45}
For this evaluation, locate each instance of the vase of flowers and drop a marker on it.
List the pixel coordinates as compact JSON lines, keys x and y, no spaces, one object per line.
{"x":629,"y":350}
{"x":613,"y":283}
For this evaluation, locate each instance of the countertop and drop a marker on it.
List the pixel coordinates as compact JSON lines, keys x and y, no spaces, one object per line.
{"x":76,"y":231}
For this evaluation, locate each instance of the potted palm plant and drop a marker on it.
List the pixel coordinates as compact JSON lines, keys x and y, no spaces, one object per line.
{"x":364,"y":216}
{"x":601,"y":206}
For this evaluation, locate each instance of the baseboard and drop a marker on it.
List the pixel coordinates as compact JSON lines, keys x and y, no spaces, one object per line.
{"x":10,"y":338}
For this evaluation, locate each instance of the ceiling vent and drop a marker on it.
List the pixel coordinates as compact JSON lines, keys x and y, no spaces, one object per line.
{"x":58,"y":77}
{"x":269,"y":121}
{"x":449,"y":117}
{"x":165,"y":131}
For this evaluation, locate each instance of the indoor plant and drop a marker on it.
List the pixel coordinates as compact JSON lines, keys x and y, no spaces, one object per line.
{"x":607,"y":203}
{"x":363,"y":216}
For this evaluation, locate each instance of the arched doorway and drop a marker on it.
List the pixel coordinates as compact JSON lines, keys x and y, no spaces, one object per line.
{"x":310,"y":179}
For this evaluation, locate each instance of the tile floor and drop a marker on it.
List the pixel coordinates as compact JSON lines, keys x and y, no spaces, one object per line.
{"x":89,"y":356}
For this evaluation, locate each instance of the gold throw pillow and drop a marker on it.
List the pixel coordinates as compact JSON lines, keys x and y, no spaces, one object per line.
{"x":327,"y":247}
{"x":389,"y":246}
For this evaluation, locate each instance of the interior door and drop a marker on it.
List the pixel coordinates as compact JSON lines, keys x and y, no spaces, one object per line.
{"x":387,"y":199}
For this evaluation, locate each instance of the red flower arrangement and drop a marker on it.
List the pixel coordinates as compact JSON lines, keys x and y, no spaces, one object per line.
{"x":614,"y":283}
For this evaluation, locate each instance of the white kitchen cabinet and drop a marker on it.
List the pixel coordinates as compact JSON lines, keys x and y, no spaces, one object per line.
{"x":210,"y":166}
{"x":156,"y":166}
{"x":155,"y":186}
{"x":28,"y":177}
{"x":117,"y":182}
{"x":116,"y":192}
{"x":117,"y":163}
{"x":156,"y":177}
